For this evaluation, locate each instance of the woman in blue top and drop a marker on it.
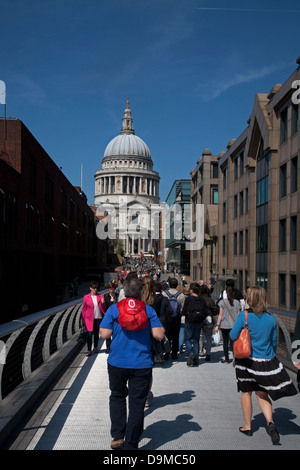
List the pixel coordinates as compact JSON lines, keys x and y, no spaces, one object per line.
{"x":261,"y":373}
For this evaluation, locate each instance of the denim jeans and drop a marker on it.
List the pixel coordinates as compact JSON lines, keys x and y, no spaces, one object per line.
{"x":181,"y":336}
{"x":191,"y":339}
{"x":206,"y":336}
{"x":134,"y":383}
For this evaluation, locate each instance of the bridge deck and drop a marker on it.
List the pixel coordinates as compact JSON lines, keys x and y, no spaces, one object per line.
{"x":193,"y":409}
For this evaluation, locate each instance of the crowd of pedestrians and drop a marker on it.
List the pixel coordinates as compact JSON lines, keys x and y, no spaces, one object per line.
{"x":147,"y":322}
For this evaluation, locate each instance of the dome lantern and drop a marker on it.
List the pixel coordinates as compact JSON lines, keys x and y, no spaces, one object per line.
{"x":127,"y":127}
{"x":127,"y":144}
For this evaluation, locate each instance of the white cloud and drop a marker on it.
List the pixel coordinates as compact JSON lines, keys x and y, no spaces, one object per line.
{"x":248,"y":10}
{"x":210,"y":91}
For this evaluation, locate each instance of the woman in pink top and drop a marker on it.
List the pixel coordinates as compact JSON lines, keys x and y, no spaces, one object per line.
{"x":93,"y":310}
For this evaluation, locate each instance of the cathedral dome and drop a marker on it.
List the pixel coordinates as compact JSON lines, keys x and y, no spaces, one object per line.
{"x":127,"y":144}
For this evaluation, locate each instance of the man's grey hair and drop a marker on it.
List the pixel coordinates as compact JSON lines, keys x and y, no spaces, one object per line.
{"x":133,"y":288}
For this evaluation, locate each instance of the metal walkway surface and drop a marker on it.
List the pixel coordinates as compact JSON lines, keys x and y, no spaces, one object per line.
{"x":194,"y":408}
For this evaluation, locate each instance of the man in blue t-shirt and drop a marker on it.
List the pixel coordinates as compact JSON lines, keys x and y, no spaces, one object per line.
{"x":129,"y":363}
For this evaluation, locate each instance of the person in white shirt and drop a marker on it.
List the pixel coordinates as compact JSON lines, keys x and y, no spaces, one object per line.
{"x":93,"y":310}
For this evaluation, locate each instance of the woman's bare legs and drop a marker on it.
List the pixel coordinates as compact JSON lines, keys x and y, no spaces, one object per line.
{"x":265,"y":405}
{"x":266,"y":408}
{"x":246,"y":403}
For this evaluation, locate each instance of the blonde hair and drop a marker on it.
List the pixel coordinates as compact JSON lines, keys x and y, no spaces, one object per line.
{"x":256,"y":298}
{"x":148,"y":290}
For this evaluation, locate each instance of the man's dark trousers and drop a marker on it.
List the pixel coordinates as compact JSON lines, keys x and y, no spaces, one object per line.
{"x":173,"y":334}
{"x":134,"y":383}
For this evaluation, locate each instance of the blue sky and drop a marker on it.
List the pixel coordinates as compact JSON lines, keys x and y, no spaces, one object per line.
{"x":191,"y":69}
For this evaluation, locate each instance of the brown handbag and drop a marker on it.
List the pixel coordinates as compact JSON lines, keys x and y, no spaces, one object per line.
{"x":242,"y":346}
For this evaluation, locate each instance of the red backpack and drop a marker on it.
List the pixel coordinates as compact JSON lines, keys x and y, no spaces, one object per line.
{"x":132,"y":314}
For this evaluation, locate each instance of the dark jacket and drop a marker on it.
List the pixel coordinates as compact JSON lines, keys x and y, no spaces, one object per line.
{"x":163,"y":308}
{"x":108,"y":301}
{"x":188,"y":307}
{"x":211,"y":305}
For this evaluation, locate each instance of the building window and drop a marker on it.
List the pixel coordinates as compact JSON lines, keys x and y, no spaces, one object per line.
{"x":32,"y":184}
{"x":262,"y":239}
{"x":224,"y":245}
{"x":294,"y":174}
{"x":78,"y":215}
{"x":295,"y":118}
{"x":282,"y":180}
{"x":262,"y":191}
{"x":235,"y":206}
{"x":72,"y":211}
{"x":282,"y":235}
{"x":247,"y":201}
{"x":235,"y":243}
{"x":293,"y":291}
{"x":283,"y":126}
{"x":236,"y":168}
{"x":63,"y":203}
{"x":49,"y":231}
{"x":32,"y":225}
{"x":215,"y":196}
{"x":241,"y":242}
{"x":281,"y":290}
{"x":246,"y":241}
{"x":293,"y":240}
{"x":224,"y":212}
{"x":241,"y":163}
{"x":63,"y":236}
{"x":194,"y":180}
{"x":260,"y":154}
{"x":240,"y":280}
{"x":8,"y":215}
{"x":49,"y":191}
{"x":241,"y":202}
{"x":262,"y":280}
{"x":214,"y":170}
{"x":224,"y":178}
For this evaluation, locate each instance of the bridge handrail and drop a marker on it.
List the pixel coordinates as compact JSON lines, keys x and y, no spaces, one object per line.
{"x":28,"y":342}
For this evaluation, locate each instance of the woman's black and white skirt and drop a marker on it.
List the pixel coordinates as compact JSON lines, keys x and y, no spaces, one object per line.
{"x":267,"y":375}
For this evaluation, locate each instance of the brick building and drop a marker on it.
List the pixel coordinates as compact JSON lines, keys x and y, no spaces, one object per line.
{"x":47,"y":229}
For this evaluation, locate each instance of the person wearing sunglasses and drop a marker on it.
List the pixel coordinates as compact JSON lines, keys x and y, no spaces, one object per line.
{"x":93,"y":310}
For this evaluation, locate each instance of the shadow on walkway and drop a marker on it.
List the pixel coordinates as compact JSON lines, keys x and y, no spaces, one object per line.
{"x":165,"y":431}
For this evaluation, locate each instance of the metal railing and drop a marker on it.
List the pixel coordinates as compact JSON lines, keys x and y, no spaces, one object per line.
{"x":28,"y":342}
